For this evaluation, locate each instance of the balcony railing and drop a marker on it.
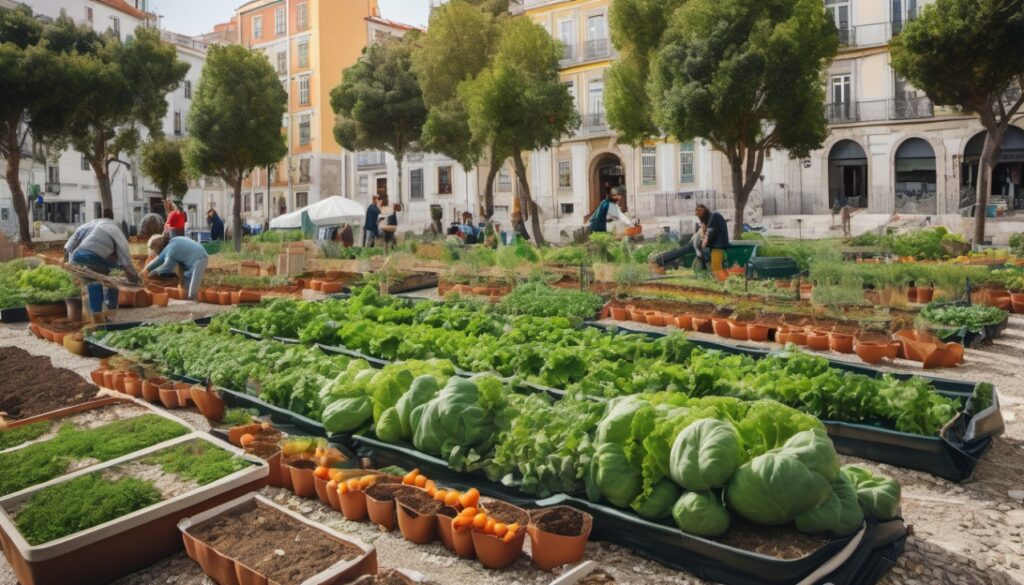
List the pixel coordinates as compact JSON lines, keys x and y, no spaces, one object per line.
{"x":847,"y":36}
{"x":369,"y":160}
{"x":597,"y":49}
{"x":841,"y":112}
{"x":595,"y":122}
{"x":53,"y":188}
{"x":878,"y":110}
{"x":911,"y":108}
{"x":183,"y":41}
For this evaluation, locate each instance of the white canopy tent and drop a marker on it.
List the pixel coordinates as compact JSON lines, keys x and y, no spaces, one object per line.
{"x":331,"y":211}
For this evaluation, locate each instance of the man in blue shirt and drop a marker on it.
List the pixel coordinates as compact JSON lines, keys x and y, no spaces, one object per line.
{"x":371,"y":230}
{"x":172,"y":252}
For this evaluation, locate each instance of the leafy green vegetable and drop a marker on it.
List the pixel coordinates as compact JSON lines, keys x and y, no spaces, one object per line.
{"x":840,"y":514}
{"x":879,"y":495}
{"x":540,"y":300}
{"x":14,"y":437}
{"x":199,"y":461}
{"x":973,"y":317}
{"x":619,"y":481}
{"x":701,"y":513}
{"x":705,"y":455}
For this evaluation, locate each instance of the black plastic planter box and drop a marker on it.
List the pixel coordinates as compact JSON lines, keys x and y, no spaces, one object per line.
{"x":14,"y":315}
{"x":860,"y":559}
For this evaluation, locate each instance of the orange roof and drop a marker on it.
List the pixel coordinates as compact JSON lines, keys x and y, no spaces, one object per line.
{"x":127,"y":9}
{"x":393,"y":23}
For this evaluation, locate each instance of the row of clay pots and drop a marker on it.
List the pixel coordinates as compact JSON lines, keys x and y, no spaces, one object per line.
{"x":325,"y":286}
{"x":493,"y":292}
{"x":1000,"y":298}
{"x":42,"y":330}
{"x":216,"y":295}
{"x":159,"y":389}
{"x":549,"y":550}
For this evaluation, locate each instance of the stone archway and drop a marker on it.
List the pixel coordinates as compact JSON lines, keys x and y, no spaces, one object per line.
{"x":915,"y":185}
{"x":606,"y":172}
{"x":847,"y":175}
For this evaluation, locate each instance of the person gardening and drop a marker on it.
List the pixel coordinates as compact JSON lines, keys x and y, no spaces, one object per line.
{"x":102,"y":249}
{"x":175,"y":225}
{"x":216,"y":225}
{"x":172,"y":252}
{"x":609,"y":209}
{"x":83,"y":232}
{"x":711,"y":239}
{"x":151,"y":225}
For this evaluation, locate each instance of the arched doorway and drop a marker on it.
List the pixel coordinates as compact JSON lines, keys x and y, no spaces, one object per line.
{"x":1008,"y":174}
{"x":847,"y":175}
{"x":605,"y":173}
{"x":915,"y":177}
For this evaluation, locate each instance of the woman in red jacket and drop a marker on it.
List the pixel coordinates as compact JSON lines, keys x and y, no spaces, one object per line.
{"x":175,"y":225}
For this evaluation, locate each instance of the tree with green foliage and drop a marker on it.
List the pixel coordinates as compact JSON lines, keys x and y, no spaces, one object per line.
{"x":235,"y":121}
{"x":969,"y":54}
{"x":519,"y":103}
{"x":118,"y":89}
{"x":163,"y":163}
{"x":379,"y":105}
{"x":637,"y":27}
{"x":459,"y":45}
{"x":745,"y":75}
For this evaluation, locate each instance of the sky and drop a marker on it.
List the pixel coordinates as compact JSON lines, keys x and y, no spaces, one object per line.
{"x":193,"y":17}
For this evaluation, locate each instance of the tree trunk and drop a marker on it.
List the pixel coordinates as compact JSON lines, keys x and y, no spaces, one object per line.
{"x":739,"y":199}
{"x":526,"y":200}
{"x":17,"y":194}
{"x":992,"y":150}
{"x":236,"y":214}
{"x":492,"y":172}
{"x":398,"y":159}
{"x":103,"y":184}
{"x":745,"y":166}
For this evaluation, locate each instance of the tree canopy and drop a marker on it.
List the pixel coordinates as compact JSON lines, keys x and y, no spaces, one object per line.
{"x":117,"y":90}
{"x":969,"y":54}
{"x":746,"y":76}
{"x":235,"y":120}
{"x":163,"y":163}
{"x":379,"y":105}
{"x":518,"y":103}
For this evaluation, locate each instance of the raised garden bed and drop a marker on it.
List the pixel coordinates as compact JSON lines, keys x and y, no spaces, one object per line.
{"x":253,"y":539}
{"x":31,"y":385}
{"x":98,"y":524}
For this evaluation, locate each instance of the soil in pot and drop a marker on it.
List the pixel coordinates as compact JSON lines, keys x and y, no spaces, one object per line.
{"x":558,"y":536}
{"x":416,"y":510}
{"x":30,"y":385}
{"x":459,"y":542}
{"x":301,"y":472}
{"x":385,"y":577}
{"x":380,"y":503}
{"x":273,"y":544}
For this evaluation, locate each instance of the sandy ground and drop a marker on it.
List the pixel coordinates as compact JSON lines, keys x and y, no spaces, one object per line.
{"x":969,"y":533}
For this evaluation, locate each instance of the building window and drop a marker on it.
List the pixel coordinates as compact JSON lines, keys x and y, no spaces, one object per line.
{"x":85,"y":163}
{"x":5,"y":214}
{"x":97,"y":210}
{"x":686,"y":162}
{"x":841,"y":108}
{"x":279,"y":28}
{"x":304,"y":54}
{"x":567,"y":34}
{"x":304,"y":91}
{"x":304,"y":129}
{"x":649,"y":165}
{"x":247,"y":202}
{"x":53,"y":174}
{"x":567,"y":208}
{"x":597,"y":37}
{"x":88,"y":14}
{"x":504,"y":179}
{"x":444,"y":180}
{"x":301,"y":16}
{"x":565,"y":174}
{"x":282,"y":63}
{"x":257,"y":27}
{"x":301,"y":199}
{"x":304,"y":170}
{"x":177,"y":123}
{"x":416,"y":184}
{"x":259,"y":201}
{"x":364,"y":184}
{"x":115,"y":25}
{"x":188,"y":89}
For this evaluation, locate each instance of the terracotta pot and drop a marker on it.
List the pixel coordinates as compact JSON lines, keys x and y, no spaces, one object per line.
{"x":208,"y":295}
{"x":224,"y":297}
{"x":381,"y":512}
{"x":286,"y":474}
{"x":236,"y":297}
{"x":782,"y":336}
{"x":916,"y":345}
{"x":118,"y":378}
{"x":798,"y":336}
{"x":35,"y":330}
{"x":353,"y":505}
{"x":331,"y":287}
{"x":209,"y":402}
{"x":550,"y":550}
{"x":817,"y":341}
{"x":169,"y":395}
{"x":874,"y":353}
{"x":738,"y":330}
{"x":721,"y":326}
{"x":58,"y":336}
{"x":333,"y":497}
{"x":925,"y":294}
{"x":302,"y":480}
{"x":160,"y":299}
{"x":638,"y":315}
{"x":656,"y":318}
{"x":619,"y":313}
{"x":1000,"y":298}
{"x":459,"y":542}
{"x":1018,"y":306}
{"x":184,"y":390}
{"x":173,"y":293}
{"x":249,"y":296}
{"x":840,"y":342}
{"x":275,"y":476}
{"x":417,"y":528}
{"x":125,"y":298}
{"x":684,"y":322}
{"x":912,"y":294}
{"x":757,"y":332}
{"x":494,"y":553}
{"x":74,"y":308}
{"x":151,"y":388}
{"x":702,"y":325}
{"x":315,"y":284}
{"x":320,"y":485}
{"x":132,"y":385}
{"x":97,"y":376}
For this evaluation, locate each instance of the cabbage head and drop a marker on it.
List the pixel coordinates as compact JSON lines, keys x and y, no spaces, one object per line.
{"x":616,"y":478}
{"x":420,"y":391}
{"x":701,"y":513}
{"x":347,"y":414}
{"x":705,"y":455}
{"x":616,"y":424}
{"x":658,"y":503}
{"x":388,"y":427}
{"x":879,"y":495}
{"x":453,"y":419}
{"x":839,"y":515}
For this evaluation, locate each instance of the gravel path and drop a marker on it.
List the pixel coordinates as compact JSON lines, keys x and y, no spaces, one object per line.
{"x":970,"y":533}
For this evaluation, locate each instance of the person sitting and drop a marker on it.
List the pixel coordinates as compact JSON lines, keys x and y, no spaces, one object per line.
{"x":172,"y":252}
{"x":711,"y":239}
